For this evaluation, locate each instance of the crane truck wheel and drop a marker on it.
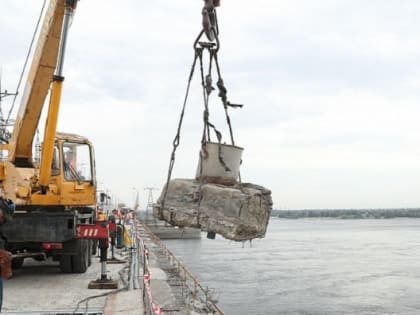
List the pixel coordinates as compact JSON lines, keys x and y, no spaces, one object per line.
{"x":65,"y":263}
{"x":80,"y":261}
{"x":77,"y":263}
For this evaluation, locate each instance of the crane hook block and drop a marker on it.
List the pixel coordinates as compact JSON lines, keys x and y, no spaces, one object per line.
{"x":212,"y":3}
{"x":72,"y":3}
{"x":209,"y":18}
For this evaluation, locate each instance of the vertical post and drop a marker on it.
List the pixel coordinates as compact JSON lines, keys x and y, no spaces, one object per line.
{"x":143,"y":285}
{"x":103,"y":252}
{"x":1,"y":292}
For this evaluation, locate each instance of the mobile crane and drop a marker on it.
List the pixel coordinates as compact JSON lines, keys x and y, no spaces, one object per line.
{"x":53,"y":200}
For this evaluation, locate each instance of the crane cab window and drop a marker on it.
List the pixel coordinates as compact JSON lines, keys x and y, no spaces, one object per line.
{"x":77,"y":162}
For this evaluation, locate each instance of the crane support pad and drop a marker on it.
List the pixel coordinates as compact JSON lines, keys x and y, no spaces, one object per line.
{"x":238,"y":213}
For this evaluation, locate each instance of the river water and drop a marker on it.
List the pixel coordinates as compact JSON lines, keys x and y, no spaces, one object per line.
{"x":313,"y":266}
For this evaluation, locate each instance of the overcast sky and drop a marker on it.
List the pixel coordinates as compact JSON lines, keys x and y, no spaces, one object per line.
{"x":331,"y":92}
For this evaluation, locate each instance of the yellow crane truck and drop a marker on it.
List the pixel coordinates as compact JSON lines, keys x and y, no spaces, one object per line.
{"x":53,"y":200}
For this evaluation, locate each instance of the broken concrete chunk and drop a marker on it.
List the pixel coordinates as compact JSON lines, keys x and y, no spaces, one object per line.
{"x":240,"y":212}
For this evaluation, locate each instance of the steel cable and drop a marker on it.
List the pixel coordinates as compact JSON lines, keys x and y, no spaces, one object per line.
{"x":176,"y":140}
{"x":26,"y":61}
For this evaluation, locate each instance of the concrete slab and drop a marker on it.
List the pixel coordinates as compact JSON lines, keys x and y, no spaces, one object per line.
{"x":125,"y":302}
{"x":162,"y":294}
{"x":158,"y":274}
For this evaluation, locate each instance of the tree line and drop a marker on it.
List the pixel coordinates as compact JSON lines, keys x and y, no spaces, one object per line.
{"x":348,"y":213}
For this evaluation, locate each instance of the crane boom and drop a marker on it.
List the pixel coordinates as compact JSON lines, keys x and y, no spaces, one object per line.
{"x":37,"y":85}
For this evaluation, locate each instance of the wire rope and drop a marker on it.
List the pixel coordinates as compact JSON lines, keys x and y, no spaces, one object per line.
{"x":26,"y":61}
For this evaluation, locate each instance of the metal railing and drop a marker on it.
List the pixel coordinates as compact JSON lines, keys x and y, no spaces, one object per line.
{"x":149,"y":307}
{"x":191,"y":282}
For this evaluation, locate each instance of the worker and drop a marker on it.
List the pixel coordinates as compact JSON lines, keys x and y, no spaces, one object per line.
{"x":118,"y":216}
{"x":70,"y":167}
{"x":128,"y":218}
{"x":100,"y":216}
{"x":126,"y":238}
{"x":7,"y":207}
{"x":6,"y":270}
{"x":115,"y":217}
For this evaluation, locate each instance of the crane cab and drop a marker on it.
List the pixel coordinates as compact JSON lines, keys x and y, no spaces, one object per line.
{"x":72,"y":180}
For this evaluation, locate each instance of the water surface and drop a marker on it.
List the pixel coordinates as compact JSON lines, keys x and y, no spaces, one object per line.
{"x":313,"y":266}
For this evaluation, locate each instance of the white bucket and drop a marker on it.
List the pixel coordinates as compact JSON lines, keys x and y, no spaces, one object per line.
{"x":211,"y":170}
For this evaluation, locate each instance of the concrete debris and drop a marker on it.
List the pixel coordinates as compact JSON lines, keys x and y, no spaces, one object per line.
{"x":196,"y":307}
{"x":240,"y":212}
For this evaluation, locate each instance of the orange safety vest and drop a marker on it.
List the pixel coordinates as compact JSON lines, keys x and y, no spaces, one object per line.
{"x":100,"y":217}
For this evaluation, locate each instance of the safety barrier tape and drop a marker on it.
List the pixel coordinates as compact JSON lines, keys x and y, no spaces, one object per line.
{"x":157,"y":309}
{"x":146,"y":279}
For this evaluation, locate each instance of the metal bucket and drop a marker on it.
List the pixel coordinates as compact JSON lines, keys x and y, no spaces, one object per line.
{"x":211,"y":170}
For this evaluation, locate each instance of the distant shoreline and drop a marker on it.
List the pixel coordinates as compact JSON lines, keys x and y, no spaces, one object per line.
{"x":348,"y":213}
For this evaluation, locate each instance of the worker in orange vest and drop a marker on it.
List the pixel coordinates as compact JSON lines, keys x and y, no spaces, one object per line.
{"x":100,"y":216}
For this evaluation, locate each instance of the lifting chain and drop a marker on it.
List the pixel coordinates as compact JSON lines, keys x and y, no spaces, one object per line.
{"x":175,"y":142}
{"x":211,"y":30}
